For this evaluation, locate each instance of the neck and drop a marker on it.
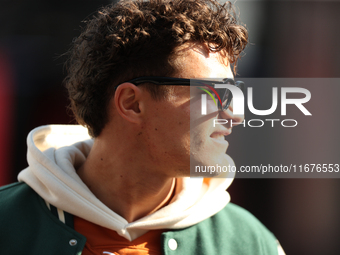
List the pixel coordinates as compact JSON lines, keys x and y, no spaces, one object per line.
{"x":123,"y":183}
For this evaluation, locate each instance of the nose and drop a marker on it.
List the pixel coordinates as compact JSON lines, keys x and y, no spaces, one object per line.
{"x":233,"y":120}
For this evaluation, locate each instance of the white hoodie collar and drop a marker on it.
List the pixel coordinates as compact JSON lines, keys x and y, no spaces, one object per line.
{"x":54,"y":152}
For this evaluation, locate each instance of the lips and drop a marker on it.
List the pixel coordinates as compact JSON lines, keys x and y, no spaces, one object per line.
{"x":220,"y":134}
{"x":219,"y":141}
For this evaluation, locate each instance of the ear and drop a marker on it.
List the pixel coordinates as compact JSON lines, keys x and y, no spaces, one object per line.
{"x":127,"y":101}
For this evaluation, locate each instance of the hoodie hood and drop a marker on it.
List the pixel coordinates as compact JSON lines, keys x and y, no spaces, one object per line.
{"x":54,"y":152}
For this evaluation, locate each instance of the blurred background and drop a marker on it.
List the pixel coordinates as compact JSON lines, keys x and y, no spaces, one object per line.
{"x":293,"y":39}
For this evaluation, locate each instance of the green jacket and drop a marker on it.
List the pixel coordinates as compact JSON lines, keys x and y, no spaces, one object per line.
{"x":28,"y":227}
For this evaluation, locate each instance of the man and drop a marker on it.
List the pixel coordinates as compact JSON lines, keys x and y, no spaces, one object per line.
{"x":128,"y":190}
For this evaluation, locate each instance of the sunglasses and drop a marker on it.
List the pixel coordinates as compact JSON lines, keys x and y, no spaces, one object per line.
{"x":224,"y":95}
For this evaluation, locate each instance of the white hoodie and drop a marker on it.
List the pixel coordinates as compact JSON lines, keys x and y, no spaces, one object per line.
{"x":54,"y":152}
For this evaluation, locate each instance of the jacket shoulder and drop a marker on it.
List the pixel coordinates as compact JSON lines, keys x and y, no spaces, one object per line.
{"x":245,"y":231}
{"x":233,"y":230}
{"x":28,"y":227}
{"x":241,"y":220}
{"x":14,"y":191}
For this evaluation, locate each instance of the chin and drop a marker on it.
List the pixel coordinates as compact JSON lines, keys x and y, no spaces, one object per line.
{"x":218,"y":145}
{"x":209,"y":165}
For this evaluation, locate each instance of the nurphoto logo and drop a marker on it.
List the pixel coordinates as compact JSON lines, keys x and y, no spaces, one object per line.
{"x":239,"y":99}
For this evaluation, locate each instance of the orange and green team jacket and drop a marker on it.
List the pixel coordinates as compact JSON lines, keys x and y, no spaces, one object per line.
{"x":29,"y":227}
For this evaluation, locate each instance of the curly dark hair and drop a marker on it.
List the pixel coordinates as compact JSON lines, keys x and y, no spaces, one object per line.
{"x":139,"y":38}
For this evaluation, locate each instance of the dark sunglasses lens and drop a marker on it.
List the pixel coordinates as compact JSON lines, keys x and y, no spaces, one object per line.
{"x":220,"y":97}
{"x":226,"y":100}
{"x":228,"y":96}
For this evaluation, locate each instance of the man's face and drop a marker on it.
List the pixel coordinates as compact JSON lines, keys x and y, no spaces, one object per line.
{"x":178,"y":134}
